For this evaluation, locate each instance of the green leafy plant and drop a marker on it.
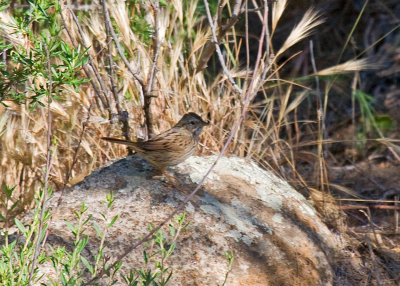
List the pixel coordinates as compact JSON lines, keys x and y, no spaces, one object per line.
{"x":230,"y":256}
{"x":24,"y":75}
{"x":159,"y":249}
{"x":16,"y":257}
{"x":71,"y":266}
{"x":367,"y":110}
{"x":370,"y":121}
{"x":8,"y":205}
{"x":139,"y":26}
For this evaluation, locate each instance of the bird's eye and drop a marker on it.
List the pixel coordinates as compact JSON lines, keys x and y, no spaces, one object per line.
{"x":191,"y":122}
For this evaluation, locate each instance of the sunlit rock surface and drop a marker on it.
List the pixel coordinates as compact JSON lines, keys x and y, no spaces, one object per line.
{"x":275,"y":234}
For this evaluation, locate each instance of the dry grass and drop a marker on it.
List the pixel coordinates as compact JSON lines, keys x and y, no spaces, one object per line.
{"x":265,"y":135}
{"x":276,"y":132}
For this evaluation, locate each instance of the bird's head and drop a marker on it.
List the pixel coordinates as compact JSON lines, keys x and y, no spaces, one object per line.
{"x":192,"y":122}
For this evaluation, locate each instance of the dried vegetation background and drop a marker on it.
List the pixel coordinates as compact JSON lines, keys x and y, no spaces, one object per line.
{"x":325,"y":117}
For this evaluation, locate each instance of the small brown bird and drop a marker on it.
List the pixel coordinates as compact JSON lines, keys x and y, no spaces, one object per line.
{"x":170,"y":147}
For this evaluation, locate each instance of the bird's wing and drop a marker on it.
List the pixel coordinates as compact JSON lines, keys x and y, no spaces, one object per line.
{"x":172,"y":140}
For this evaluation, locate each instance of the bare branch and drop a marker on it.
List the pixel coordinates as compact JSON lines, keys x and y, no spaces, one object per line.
{"x":69,"y":173}
{"x":99,"y":78}
{"x":84,"y":125}
{"x":119,"y":49}
{"x":48,"y":165}
{"x":123,"y":119}
{"x":219,"y":53}
{"x":156,"y":47}
{"x":268,"y":64}
{"x":210,"y":47}
{"x":91,"y":64}
{"x":141,"y":86}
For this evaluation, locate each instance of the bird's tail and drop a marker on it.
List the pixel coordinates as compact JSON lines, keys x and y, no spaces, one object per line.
{"x":119,"y":141}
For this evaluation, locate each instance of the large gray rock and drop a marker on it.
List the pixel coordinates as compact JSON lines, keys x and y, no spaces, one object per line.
{"x":276,"y":235}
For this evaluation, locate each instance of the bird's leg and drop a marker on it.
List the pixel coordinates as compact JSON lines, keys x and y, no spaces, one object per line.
{"x":162,"y":173}
{"x":170,"y":178}
{"x":164,"y":176}
{"x":172,"y":181}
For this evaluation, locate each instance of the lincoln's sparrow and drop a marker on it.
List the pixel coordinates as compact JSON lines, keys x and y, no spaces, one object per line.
{"x":172,"y":146}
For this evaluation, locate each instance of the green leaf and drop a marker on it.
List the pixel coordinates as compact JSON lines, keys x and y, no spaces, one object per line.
{"x":97,"y":229}
{"x":71,"y":227}
{"x":83,"y":61}
{"x":87,"y":264}
{"x":83,"y":208}
{"x":171,"y":249}
{"x":63,"y":279}
{"x":172,"y":230}
{"x":163,"y":3}
{"x":87,"y":220}
{"x":384,"y":122}
{"x":113,"y":221}
{"x":169,"y":277}
{"x":4,"y":6}
{"x":7,"y":190}
{"x":81,"y":244}
{"x":128,"y":96}
{"x":103,"y":216}
{"x":118,"y":266}
{"x":20,"y":226}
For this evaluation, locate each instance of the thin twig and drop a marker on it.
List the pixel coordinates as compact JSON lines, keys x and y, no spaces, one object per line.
{"x":69,"y":173}
{"x":92,"y":65}
{"x":249,"y":96}
{"x":119,"y":49}
{"x":317,"y":86}
{"x":368,"y":239}
{"x":210,"y":47}
{"x":48,"y":165}
{"x":320,"y":121}
{"x":219,"y":53}
{"x":396,"y":214}
{"x":75,"y":157}
{"x":247,"y":42}
{"x":268,"y":64}
{"x":122,"y":115}
{"x":76,"y":151}
{"x":141,"y":86}
{"x":156,"y":45}
{"x":95,"y":87}
{"x":236,"y":12}
{"x":218,"y":15}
